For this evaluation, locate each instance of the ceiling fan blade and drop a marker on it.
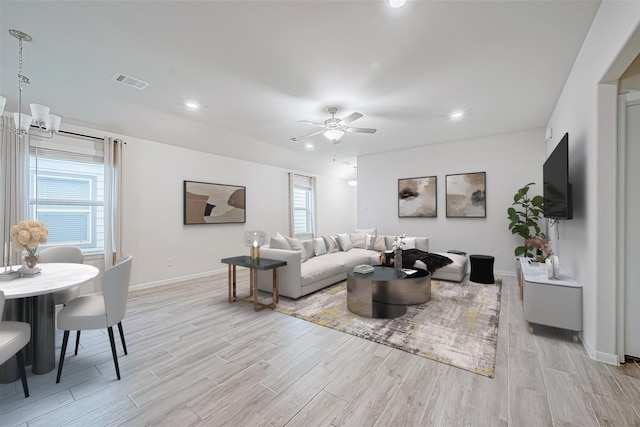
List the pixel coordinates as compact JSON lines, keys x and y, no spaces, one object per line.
{"x":360,"y":130}
{"x":350,"y":118}
{"x":311,"y":123}
{"x":300,"y":138}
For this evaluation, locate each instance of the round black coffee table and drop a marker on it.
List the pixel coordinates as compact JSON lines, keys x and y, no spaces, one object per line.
{"x":384,"y":293}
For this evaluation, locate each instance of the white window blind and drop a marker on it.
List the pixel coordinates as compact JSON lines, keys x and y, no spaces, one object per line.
{"x":302,"y":197}
{"x":66,"y":191}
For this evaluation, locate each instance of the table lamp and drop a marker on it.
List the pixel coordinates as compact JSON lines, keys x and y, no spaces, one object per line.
{"x":254,"y":239}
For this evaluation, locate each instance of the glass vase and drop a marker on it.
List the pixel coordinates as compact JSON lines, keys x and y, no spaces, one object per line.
{"x":398,"y":261}
{"x":30,"y":258}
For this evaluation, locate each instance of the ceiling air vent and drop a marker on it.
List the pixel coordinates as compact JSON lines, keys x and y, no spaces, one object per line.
{"x":130,"y":81}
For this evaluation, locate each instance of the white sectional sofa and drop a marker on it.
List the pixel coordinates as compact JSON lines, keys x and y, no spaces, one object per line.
{"x":307,"y":272}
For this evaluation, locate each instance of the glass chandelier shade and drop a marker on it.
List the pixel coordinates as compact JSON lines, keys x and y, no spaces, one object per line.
{"x":47,"y":124}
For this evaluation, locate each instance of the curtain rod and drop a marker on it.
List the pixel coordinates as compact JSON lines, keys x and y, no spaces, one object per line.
{"x":81,"y":135}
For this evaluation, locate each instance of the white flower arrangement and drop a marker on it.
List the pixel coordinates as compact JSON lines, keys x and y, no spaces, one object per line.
{"x":398,"y":242}
{"x":29,"y":234}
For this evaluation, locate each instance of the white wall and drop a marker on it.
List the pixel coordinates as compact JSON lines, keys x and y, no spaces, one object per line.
{"x":510,"y":162}
{"x":587,"y":110}
{"x":153,"y":209}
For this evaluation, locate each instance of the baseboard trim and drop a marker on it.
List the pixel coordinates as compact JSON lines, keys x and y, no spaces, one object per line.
{"x":173,"y":280}
{"x":505,"y":273}
{"x":598,"y":356}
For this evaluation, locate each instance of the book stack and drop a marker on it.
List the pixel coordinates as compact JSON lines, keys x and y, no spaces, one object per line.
{"x":363,"y":269}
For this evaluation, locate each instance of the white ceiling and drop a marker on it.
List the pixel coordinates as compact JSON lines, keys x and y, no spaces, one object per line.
{"x":257,"y":67}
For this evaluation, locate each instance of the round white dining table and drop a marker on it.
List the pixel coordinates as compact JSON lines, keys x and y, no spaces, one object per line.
{"x":31,"y":299}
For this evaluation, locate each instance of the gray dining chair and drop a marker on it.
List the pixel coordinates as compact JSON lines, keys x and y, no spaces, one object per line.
{"x":99,"y":311}
{"x":70,"y":254}
{"x":13,"y":337}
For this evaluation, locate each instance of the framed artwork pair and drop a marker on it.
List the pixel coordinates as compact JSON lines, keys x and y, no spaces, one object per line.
{"x":465,"y":196}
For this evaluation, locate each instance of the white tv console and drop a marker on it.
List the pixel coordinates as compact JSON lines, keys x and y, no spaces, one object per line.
{"x":551,"y":302}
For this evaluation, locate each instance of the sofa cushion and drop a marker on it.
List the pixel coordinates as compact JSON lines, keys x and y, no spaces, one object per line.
{"x":379,"y":244}
{"x":456,"y":271}
{"x":308,"y":248}
{"x":358,"y":240}
{"x":296,"y":245}
{"x":279,"y":242}
{"x":332,"y":244}
{"x":345,"y":242}
{"x":365,"y":231}
{"x":319,"y":247}
{"x":369,"y":239}
{"x":348,"y":260}
{"x":317,"y":269}
{"x":409,"y":243}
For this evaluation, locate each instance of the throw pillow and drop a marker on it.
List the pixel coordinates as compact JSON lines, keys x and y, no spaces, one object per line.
{"x":345,"y":242}
{"x":308,"y":248}
{"x":409,"y":243}
{"x":379,"y":244}
{"x":369,"y":240}
{"x":296,"y":245}
{"x":365,"y":231}
{"x":358,"y":240}
{"x":279,"y":242}
{"x":332,"y":244}
{"x":319,"y":247}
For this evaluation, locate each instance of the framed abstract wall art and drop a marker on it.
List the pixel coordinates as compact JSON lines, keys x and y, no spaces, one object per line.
{"x":206,"y":203}
{"x":417,"y":197}
{"x":466,"y":193}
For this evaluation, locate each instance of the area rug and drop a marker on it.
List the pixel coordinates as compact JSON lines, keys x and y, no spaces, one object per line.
{"x":458,"y":326}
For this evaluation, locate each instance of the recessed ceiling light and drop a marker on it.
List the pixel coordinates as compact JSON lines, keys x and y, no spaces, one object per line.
{"x":192,"y":105}
{"x":309,"y":145}
{"x":397,"y":3}
{"x":456,"y":115}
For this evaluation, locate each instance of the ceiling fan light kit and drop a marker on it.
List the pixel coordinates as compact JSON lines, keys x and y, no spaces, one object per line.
{"x":333,"y":128}
{"x":334,"y":135}
{"x":47,"y":124}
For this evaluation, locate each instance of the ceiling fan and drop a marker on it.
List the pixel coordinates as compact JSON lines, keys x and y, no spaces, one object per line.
{"x":334,"y":128}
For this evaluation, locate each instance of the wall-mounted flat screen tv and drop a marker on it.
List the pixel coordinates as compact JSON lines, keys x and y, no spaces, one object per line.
{"x":557,"y":189}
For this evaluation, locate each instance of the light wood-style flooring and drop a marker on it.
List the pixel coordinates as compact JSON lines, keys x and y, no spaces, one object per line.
{"x":196,"y":360}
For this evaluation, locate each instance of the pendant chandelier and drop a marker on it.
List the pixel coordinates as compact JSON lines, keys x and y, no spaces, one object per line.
{"x":40,"y":122}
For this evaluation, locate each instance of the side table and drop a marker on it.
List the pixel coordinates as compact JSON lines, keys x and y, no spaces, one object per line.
{"x":253,"y":266}
{"x":481,"y":269}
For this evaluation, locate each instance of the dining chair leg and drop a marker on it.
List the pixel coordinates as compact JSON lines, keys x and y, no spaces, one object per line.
{"x":23,"y":373}
{"x":124,"y":346}
{"x":113,"y":350}
{"x":65,"y":339}
{"x":77,"y":341}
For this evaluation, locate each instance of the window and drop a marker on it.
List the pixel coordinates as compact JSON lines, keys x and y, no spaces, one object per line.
{"x":303,"y":206}
{"x":66,"y":192}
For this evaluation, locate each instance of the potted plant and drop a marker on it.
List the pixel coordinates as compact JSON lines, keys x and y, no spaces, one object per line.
{"x":524,"y":219}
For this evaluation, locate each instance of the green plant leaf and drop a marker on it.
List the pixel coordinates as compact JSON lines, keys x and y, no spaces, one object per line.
{"x":538,"y":201}
{"x":520,"y":250}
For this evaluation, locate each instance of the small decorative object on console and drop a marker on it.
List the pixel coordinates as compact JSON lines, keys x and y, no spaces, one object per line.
{"x":363,"y":269}
{"x":27,"y":235}
{"x":254,"y":239}
{"x":398,"y":242}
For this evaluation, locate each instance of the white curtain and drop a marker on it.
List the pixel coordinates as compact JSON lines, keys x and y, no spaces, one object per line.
{"x":113,"y":182}
{"x":14,"y":187}
{"x":309,"y":183}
